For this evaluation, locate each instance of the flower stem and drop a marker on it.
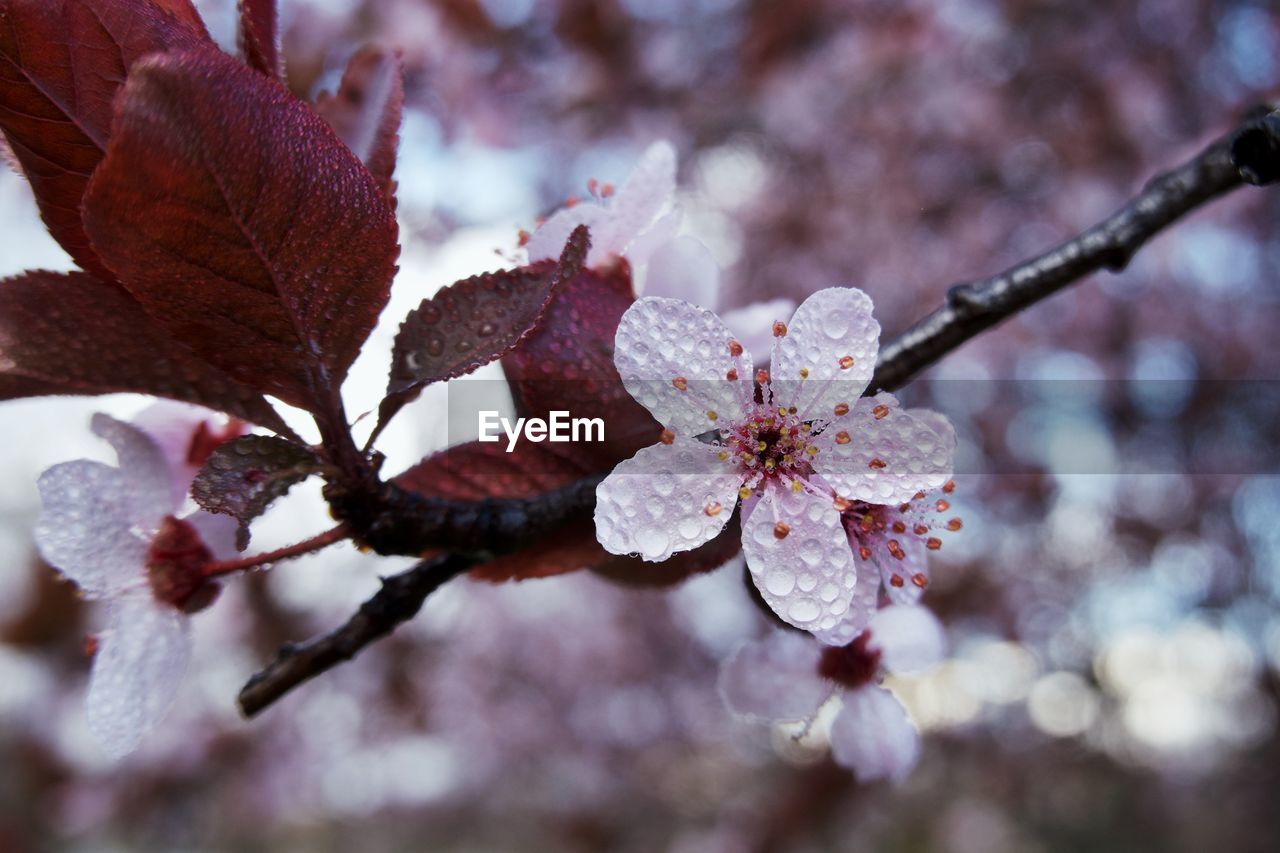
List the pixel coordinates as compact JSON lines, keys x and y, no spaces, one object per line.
{"x":307,"y":546}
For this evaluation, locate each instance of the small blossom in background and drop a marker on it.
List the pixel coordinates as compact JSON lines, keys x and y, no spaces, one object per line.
{"x":787,"y":678}
{"x":640,"y":223}
{"x":113,"y":530}
{"x":805,"y":451}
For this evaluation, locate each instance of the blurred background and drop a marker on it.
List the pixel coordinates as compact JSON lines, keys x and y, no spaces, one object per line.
{"x":1111,"y":603}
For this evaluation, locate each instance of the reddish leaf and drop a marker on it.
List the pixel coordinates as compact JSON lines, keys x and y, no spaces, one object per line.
{"x":472,"y":322}
{"x":244,"y":475}
{"x":61,"y":64}
{"x":72,"y":334}
{"x":256,"y":237}
{"x":366,"y":112}
{"x":259,"y":36}
{"x":566,"y":363}
{"x":184,"y":12}
{"x":479,"y":470}
{"x":476,"y":470}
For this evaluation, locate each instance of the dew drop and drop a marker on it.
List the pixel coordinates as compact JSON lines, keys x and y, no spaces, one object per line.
{"x":804,"y":610}
{"x":835,"y":324}
{"x":652,"y":541}
{"x":779,"y":582}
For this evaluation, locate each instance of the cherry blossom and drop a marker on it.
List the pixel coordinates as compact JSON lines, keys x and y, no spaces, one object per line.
{"x":113,"y":531}
{"x":894,"y":541}
{"x":787,"y":678}
{"x":640,"y":223}
{"x":799,"y":452}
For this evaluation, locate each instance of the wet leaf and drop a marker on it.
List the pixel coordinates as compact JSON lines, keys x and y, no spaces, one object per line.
{"x":244,"y":475}
{"x":566,"y":363}
{"x":72,"y":334}
{"x":365,"y":113}
{"x":472,"y":322}
{"x":259,"y":36}
{"x":61,"y":64}
{"x":257,"y":237}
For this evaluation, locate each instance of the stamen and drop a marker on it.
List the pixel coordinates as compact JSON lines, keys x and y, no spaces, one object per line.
{"x":864,"y":552}
{"x":896,"y":581}
{"x":899,"y":527}
{"x":921,"y":529}
{"x":744,"y":492}
{"x":842,"y":505}
{"x":781,"y":529}
{"x":667,"y":436}
{"x":712,"y":416}
{"x":878,"y":464}
{"x":842,"y":437}
{"x":804,"y":373}
{"x":919,"y":580}
{"x":713,"y":509}
{"x":881,"y":412}
{"x":895,"y":549}
{"x":846,"y":362}
{"x":954,"y":524}
{"x":841,"y":409}
{"x":933,"y":543}
{"x":681,"y":383}
{"x":762,"y":376}
{"x":949,"y":486}
{"x":797,"y":486}
{"x":735,"y":349}
{"x":732,"y":375}
{"x":779,"y":329}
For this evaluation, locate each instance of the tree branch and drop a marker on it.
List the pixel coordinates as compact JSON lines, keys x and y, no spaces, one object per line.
{"x":1246,"y":154}
{"x":395,"y":521}
{"x":398,"y":601}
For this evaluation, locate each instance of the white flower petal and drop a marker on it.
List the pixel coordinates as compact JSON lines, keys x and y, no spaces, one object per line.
{"x":648,"y":189}
{"x":217,"y":532}
{"x":829,"y":326}
{"x":866,"y":597}
{"x":666,"y":498}
{"x":886,"y":459}
{"x":547,"y":242}
{"x":172,"y":426}
{"x":752,"y":324}
{"x":673,"y":358}
{"x":683,"y":268}
{"x":873,"y":737}
{"x":148,"y":493}
{"x":139,"y":665}
{"x":775,"y":678}
{"x":799,"y":558}
{"x":643,"y":247}
{"x":85,"y":530}
{"x":910,"y":638}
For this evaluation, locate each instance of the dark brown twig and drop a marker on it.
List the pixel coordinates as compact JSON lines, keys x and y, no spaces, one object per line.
{"x":1246,"y":154}
{"x":398,"y":601}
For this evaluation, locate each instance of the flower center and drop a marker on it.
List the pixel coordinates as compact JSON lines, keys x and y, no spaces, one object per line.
{"x":853,"y":665}
{"x":771,"y":443}
{"x":174,"y":567}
